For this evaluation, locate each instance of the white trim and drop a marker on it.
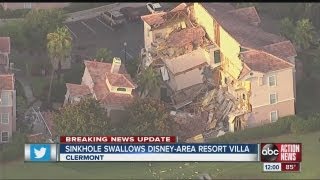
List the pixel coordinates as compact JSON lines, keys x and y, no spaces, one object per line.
{"x":270,"y":98}
{"x":277,"y":117}
{"x":275,"y":80}
{"x":273,"y":104}
{"x":1,"y":115}
{"x":1,"y":136}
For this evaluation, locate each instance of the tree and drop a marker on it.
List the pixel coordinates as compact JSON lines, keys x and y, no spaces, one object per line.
{"x":149,"y":117}
{"x":304,"y":33}
{"x":148,"y":81}
{"x":59,"y":48}
{"x":84,"y":118}
{"x":132,"y":67}
{"x":16,"y":32}
{"x":38,"y":23}
{"x":287,"y":28}
{"x":104,"y":55}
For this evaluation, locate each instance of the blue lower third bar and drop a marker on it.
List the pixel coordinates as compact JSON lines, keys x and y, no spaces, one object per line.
{"x":159,"y":152}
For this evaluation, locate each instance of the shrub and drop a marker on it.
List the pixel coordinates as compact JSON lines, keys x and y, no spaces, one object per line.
{"x":280,"y":127}
{"x":74,"y":75}
{"x":14,"y":149}
{"x":301,"y":126}
{"x":17,"y":13}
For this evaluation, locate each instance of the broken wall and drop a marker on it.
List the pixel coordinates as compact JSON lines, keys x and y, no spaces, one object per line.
{"x":204,"y":19}
{"x":148,"y":38}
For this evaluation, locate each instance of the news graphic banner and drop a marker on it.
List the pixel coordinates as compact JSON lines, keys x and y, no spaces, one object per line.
{"x":276,"y":157}
{"x":281,"y":157}
{"x":159,"y":152}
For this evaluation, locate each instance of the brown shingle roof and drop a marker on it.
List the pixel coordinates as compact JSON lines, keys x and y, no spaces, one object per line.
{"x":99,"y":72}
{"x":117,"y":99}
{"x":154,"y":19}
{"x":243,"y":32}
{"x":283,"y":49}
{"x":77,"y":90}
{"x":6,"y":82}
{"x":245,"y":70}
{"x":5,"y":45}
{"x":119,"y":80}
{"x":186,"y":36}
{"x":263,"y":62}
{"x":248,"y":14}
{"x":179,"y":7}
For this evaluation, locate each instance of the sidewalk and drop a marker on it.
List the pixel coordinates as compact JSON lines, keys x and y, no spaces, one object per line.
{"x":26,"y":88}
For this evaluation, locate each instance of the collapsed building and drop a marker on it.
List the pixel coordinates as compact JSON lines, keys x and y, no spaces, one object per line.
{"x":214,"y":58}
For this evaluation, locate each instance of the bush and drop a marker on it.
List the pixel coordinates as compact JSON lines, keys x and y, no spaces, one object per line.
{"x":282,"y":126}
{"x":14,"y":149}
{"x":74,"y":75}
{"x":17,"y":13}
{"x":301,"y":126}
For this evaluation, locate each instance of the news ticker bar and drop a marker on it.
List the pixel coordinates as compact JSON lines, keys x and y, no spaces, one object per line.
{"x":142,"y":152}
{"x":281,"y":167}
{"x":266,"y":152}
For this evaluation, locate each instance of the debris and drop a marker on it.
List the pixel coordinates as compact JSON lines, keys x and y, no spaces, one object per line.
{"x":173,"y":113}
{"x":220,"y":133}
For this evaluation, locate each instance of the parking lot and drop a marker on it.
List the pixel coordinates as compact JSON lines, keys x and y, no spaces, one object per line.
{"x":91,"y":34}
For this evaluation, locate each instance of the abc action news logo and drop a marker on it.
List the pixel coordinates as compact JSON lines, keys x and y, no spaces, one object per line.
{"x":281,"y":152}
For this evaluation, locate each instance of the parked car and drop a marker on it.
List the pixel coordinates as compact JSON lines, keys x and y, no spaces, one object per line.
{"x":154,"y":7}
{"x":113,"y":18}
{"x":134,"y":13}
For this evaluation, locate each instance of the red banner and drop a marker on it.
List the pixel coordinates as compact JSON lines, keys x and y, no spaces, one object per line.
{"x":118,"y":139}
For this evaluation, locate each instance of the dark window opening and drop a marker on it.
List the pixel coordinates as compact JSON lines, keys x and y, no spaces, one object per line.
{"x":243,"y":96}
{"x":217,"y":57}
{"x":122,"y":89}
{"x":225,"y":80}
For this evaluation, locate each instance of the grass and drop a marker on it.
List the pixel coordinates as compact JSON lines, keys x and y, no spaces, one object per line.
{"x":311,"y":146}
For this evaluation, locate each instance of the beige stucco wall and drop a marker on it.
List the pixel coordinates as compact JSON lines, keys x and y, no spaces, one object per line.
{"x":230,"y":49}
{"x":114,"y":88}
{"x":147,"y":36}
{"x":87,"y":80}
{"x":261,"y":115}
{"x":284,"y":88}
{"x":185,"y":80}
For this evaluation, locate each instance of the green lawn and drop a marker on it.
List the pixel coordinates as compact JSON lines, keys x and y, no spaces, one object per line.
{"x":310,"y":168}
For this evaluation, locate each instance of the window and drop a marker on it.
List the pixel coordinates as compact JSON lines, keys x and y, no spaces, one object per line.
{"x":121,"y":89}
{"x":273,"y":98}
{"x":274,"y":116}
{"x":5,"y":98}
{"x":4,"y":136}
{"x":4,"y":117}
{"x":217,"y":57}
{"x":272,"y":80}
{"x":243,"y":96}
{"x":260,"y":81}
{"x":27,"y":5}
